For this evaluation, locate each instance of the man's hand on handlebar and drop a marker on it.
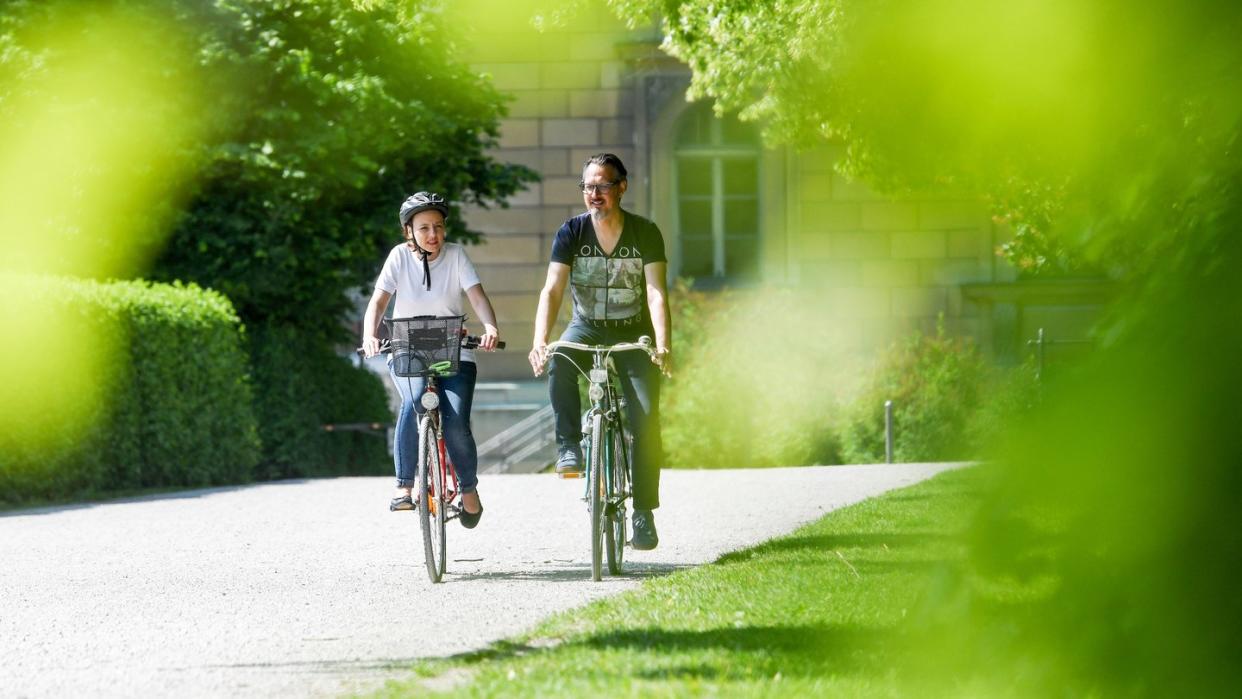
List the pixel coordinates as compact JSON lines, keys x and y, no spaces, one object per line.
{"x":538,"y":357}
{"x":663,"y":358}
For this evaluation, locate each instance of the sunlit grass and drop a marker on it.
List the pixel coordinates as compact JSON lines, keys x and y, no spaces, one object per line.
{"x":824,"y":611}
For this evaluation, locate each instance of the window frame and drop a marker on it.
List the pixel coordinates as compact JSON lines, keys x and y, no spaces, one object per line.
{"x":715,"y":154}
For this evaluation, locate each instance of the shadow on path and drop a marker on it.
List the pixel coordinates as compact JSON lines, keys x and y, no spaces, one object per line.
{"x":574,"y":573}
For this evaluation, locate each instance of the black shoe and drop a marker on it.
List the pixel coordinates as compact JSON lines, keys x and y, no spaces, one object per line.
{"x":470,"y":520}
{"x":569,"y":460}
{"x":645,"y":537}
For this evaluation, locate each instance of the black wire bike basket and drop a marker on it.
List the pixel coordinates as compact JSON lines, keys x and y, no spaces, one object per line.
{"x":424,"y":345}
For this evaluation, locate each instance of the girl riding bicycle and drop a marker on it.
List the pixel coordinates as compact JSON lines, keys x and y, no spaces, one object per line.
{"x":428,"y":277}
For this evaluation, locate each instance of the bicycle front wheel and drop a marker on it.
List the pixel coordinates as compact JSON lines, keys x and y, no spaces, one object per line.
{"x":596,"y":495}
{"x":618,"y":483}
{"x":431,"y":507}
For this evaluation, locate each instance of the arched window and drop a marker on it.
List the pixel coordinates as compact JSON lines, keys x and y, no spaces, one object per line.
{"x":716,"y":173}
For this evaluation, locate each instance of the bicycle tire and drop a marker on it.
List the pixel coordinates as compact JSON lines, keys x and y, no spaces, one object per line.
{"x":431,"y":508}
{"x":595,"y":493}
{"x":615,"y":526}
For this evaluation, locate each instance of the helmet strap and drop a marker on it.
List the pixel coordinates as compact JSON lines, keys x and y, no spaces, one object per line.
{"x":423,"y":254}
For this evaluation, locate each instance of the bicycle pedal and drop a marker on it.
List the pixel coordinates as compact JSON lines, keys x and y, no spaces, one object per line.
{"x":571,"y":474}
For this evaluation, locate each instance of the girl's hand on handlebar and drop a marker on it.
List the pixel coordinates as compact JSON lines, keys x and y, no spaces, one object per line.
{"x":490,"y":337}
{"x":370,"y":346}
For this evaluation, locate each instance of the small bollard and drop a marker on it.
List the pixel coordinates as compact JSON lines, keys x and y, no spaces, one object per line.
{"x":888,"y":431}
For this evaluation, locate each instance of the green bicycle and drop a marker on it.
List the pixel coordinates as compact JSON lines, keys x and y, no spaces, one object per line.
{"x":608,"y":451}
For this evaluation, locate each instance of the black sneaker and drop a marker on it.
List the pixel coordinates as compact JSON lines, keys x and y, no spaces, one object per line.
{"x":569,"y":460}
{"x":645,"y":537}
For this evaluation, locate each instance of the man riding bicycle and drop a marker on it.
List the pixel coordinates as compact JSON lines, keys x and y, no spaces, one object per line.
{"x":614,"y":262}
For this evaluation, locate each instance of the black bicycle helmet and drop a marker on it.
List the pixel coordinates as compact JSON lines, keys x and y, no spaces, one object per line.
{"x":422,"y":201}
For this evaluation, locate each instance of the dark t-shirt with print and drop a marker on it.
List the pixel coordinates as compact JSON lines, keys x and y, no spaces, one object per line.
{"x":609,"y":290}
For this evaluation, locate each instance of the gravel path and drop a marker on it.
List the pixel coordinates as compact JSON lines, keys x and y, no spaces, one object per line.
{"x":312,"y":588}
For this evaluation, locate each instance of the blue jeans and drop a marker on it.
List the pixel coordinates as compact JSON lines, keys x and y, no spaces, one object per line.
{"x":640,"y":385}
{"x":456,"y":395}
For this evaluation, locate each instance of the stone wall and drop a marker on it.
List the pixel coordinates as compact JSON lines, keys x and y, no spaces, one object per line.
{"x":888,"y":266}
{"x":572,"y":98}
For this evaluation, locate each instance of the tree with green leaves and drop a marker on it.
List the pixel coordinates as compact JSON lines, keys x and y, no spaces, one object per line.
{"x":314,"y":121}
{"x":1108,"y":132}
{"x":1038,"y":107}
{"x":299,"y":127}
{"x":338,"y":113}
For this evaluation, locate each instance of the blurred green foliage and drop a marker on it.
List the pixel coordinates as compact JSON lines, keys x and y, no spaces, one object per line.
{"x":179,"y":407}
{"x":100,"y":114}
{"x":791,"y":396}
{"x":746,"y":389}
{"x":937,"y":385}
{"x":1111,"y":129}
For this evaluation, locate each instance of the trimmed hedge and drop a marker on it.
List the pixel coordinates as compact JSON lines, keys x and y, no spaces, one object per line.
{"x":150,"y":391}
{"x":301,"y":385}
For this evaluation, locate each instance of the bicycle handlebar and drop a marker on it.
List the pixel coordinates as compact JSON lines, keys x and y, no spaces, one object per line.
{"x":467,"y":342}
{"x":643,"y":344}
{"x":619,"y":347}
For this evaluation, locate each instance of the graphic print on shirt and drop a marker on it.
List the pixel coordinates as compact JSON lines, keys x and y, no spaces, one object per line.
{"x":608,"y":288}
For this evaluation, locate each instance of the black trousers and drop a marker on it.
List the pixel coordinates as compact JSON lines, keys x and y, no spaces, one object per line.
{"x":640,"y":385}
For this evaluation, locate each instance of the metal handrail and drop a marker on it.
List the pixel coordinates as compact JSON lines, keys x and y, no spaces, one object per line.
{"x":525,"y":437}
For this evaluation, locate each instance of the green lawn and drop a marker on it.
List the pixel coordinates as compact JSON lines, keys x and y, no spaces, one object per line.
{"x":824,"y":611}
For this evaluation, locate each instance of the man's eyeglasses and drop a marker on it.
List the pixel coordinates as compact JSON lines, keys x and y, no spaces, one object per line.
{"x":602,"y":188}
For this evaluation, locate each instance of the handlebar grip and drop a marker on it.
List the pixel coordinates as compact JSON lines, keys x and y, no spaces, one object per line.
{"x":385,"y":346}
{"x":472,"y":342}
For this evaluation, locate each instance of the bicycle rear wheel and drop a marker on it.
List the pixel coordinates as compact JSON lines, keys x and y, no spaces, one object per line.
{"x":618,"y":484}
{"x":596,"y":495}
{"x":431,"y":508}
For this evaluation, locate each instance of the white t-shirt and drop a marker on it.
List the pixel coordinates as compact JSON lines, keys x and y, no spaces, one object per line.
{"x":451,"y":275}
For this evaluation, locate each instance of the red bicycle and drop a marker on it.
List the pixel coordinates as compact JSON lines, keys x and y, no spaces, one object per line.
{"x":429,"y":347}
